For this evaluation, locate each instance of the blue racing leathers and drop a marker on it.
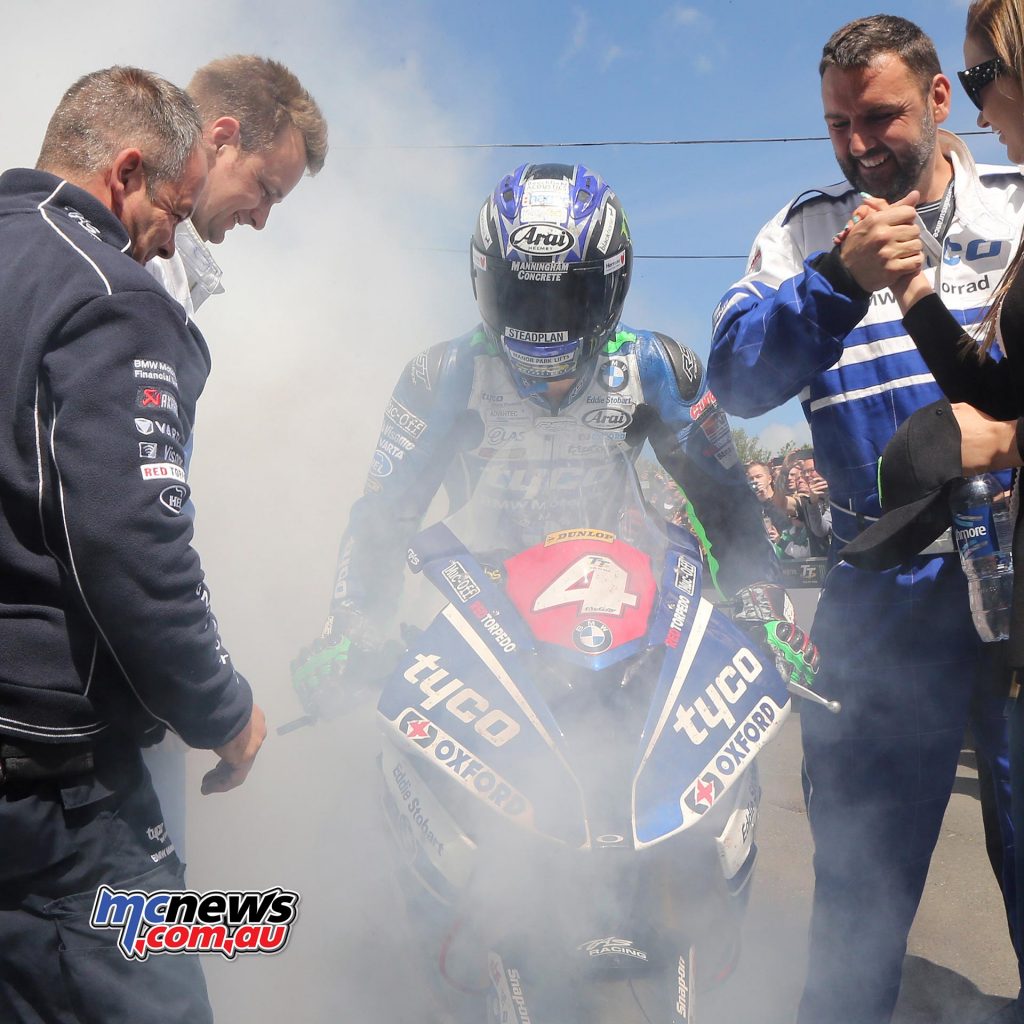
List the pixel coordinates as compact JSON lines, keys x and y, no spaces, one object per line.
{"x":456,"y":411}
{"x":898,"y":648}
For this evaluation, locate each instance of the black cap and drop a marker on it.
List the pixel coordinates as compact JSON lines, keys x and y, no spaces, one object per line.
{"x":916,"y":472}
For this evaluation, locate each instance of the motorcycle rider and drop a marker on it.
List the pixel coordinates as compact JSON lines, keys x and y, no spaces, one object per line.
{"x":544,"y":383}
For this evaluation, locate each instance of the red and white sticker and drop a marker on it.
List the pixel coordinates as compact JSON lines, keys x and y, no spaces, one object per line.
{"x":162,"y":471}
{"x":588,"y":595}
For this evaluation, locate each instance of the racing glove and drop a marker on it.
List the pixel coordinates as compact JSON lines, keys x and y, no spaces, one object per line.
{"x":765,"y":612}
{"x":330,"y":674}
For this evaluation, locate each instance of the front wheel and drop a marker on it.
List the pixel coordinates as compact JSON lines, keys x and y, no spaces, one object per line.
{"x":665,"y":993}
{"x":684,"y":1007}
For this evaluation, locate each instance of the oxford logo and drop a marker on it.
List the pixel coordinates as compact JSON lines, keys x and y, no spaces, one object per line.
{"x":542,"y":239}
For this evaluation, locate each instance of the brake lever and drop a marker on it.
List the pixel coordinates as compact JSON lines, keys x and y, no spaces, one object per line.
{"x":297,"y":723}
{"x":815,"y":698}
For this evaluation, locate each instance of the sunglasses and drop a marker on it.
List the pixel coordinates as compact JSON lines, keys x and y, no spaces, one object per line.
{"x":975,"y":79}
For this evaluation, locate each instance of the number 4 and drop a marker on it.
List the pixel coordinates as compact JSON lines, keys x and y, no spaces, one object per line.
{"x":594,"y":582}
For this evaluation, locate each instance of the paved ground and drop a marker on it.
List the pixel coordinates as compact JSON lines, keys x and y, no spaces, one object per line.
{"x":961,"y":966}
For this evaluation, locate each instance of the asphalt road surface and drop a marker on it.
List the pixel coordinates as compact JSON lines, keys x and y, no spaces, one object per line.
{"x":960,"y":966}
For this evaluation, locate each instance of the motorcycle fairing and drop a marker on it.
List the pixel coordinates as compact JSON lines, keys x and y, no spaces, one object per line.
{"x":435,"y":745}
{"x":446,"y":562}
{"x":723,"y":702}
{"x":585,"y":594}
{"x":486,"y":619}
{"x":681,"y":587}
{"x":437,"y":851}
{"x":736,"y":840}
{"x":452,"y":700}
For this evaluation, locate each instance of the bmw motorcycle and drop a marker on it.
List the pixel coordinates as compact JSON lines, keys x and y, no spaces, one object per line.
{"x":569,"y":758}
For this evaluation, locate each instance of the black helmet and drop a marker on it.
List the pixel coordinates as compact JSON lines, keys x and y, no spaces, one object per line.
{"x":551,"y":262}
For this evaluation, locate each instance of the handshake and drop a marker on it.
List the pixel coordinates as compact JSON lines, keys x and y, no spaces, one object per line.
{"x":884,"y":245}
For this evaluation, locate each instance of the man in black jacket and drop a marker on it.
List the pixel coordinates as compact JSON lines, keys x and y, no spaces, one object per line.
{"x":105,"y":620}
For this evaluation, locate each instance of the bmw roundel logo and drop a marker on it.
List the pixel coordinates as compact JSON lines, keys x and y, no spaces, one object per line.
{"x":592,"y":636}
{"x":614,"y":375}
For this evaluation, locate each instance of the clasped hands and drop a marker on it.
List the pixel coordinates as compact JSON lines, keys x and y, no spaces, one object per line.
{"x":881,"y":247}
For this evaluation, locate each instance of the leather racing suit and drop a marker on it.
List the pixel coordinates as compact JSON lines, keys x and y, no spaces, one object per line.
{"x":456,"y":409}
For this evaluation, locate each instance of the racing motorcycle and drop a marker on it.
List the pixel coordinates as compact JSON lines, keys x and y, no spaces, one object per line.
{"x":569,"y":759}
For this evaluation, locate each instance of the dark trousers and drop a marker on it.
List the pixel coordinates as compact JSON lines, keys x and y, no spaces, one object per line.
{"x":59,"y":840}
{"x":1017,"y":789}
{"x":900,"y":651}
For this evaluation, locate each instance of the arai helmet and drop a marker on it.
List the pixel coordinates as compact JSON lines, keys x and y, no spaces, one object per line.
{"x":551,"y":262}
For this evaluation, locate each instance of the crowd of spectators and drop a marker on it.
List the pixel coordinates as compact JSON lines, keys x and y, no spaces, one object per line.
{"x":663,"y":494}
{"x":792,"y":493}
{"x":794,"y":504}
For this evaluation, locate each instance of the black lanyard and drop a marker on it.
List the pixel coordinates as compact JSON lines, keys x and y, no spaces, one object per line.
{"x":945,"y":214}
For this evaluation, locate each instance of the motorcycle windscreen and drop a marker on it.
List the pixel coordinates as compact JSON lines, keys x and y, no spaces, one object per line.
{"x":719,"y":703}
{"x":452,"y":702}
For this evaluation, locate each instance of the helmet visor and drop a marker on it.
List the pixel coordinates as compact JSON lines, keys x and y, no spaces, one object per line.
{"x":544,"y":302}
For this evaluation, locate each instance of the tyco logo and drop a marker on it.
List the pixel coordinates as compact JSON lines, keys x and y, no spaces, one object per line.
{"x":462,"y":701}
{"x":228,"y":923}
{"x":713,"y":706}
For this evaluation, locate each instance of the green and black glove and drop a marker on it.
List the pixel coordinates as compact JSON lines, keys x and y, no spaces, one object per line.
{"x":347,"y":660}
{"x":765,"y":612}
{"x":317,"y":672}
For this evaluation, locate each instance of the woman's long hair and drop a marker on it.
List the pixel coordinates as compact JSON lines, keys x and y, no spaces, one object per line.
{"x":999,"y":26}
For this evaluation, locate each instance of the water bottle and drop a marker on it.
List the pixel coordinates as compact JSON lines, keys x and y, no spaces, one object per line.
{"x":984,"y":534}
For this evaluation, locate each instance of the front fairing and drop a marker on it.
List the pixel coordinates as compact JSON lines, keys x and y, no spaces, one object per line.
{"x":578,"y":685}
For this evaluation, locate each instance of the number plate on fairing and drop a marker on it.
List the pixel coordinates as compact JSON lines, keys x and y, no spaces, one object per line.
{"x":585,"y":592}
